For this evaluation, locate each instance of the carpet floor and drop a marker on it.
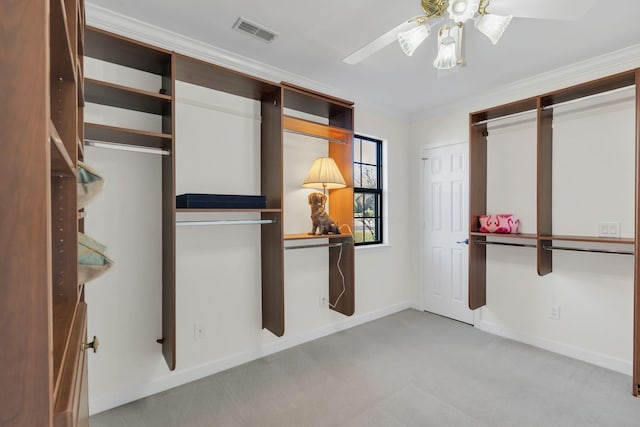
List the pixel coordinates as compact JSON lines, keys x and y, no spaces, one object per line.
{"x":408,"y":369}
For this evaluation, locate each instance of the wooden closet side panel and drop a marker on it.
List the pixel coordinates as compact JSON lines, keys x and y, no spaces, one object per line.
{"x":477,"y":207}
{"x":25,"y":246}
{"x":636,"y":305}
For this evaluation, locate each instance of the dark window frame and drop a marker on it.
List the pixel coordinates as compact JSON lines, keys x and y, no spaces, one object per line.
{"x":377,"y":192}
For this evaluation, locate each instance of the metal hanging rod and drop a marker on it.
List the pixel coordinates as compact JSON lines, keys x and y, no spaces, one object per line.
{"x":600,"y":251}
{"x":586,"y":98}
{"x":325,"y":245}
{"x":125,"y":147}
{"x":226,"y":222}
{"x":520,"y":245}
{"x":510,"y":116}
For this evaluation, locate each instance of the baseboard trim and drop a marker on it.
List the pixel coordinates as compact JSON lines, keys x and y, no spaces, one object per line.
{"x":595,"y":358}
{"x":104,"y":402}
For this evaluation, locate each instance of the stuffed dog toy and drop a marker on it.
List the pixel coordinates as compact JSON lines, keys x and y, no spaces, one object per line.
{"x":319,"y":217}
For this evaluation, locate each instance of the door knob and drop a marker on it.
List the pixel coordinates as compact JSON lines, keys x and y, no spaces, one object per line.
{"x":93,"y":344}
{"x":465,"y":241}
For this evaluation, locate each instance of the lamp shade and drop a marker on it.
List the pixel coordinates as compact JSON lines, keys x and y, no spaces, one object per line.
{"x":410,"y":40}
{"x":324,"y":174}
{"x":493,"y":26}
{"x":447,"y":57}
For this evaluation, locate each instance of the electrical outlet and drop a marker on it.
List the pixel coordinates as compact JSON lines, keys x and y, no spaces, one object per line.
{"x":322,"y":301}
{"x":554,"y":312}
{"x":615,"y":229}
{"x":199,"y":331}
{"x":610,"y":229}
{"x":603,"y":229}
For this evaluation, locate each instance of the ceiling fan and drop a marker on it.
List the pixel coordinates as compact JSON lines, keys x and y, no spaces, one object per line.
{"x":491,"y":18}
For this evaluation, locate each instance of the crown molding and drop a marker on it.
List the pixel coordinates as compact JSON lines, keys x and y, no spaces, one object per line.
{"x":607,"y":64}
{"x":127,"y":26}
{"x":600,"y":66}
{"x":136,"y":29}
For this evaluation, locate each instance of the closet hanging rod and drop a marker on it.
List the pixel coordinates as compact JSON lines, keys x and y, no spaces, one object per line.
{"x":588,"y":97}
{"x":226,"y":222}
{"x":600,"y":251}
{"x":324,"y":138}
{"x":520,"y":245}
{"x":323,"y":245}
{"x":510,"y":116}
{"x":125,"y":147}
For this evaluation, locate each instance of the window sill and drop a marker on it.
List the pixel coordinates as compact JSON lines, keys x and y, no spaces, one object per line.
{"x":373,"y":248}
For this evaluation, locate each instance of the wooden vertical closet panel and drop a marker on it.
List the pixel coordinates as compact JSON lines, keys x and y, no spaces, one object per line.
{"x":544,"y":187}
{"x":636,"y":310}
{"x":272,"y":243}
{"x":477,"y":207}
{"x":25,"y":246}
{"x":169,"y":224}
{"x":342,"y":259}
{"x":341,"y":200}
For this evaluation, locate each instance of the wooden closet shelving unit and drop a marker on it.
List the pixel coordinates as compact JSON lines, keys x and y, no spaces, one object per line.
{"x":129,"y":53}
{"x":44,"y":375}
{"x":339,"y":134}
{"x":543,"y":106}
{"x":273,"y":97}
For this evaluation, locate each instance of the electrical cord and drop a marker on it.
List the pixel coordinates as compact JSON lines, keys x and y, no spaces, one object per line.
{"x":344,"y":287}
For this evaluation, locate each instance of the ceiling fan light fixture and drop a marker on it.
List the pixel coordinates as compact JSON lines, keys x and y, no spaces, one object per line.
{"x":493,"y":26}
{"x":410,"y":40}
{"x":463,"y":10}
{"x":447,"y":56}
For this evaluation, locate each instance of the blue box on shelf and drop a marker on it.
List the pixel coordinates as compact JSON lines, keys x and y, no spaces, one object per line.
{"x":220,"y":201}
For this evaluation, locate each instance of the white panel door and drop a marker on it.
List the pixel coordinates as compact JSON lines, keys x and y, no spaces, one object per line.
{"x":445,"y":214}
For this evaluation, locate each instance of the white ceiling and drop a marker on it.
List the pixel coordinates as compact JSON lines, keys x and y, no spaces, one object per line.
{"x":314,"y":37}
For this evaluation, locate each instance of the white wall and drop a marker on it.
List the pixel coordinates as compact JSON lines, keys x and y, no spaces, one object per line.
{"x":593,"y":181}
{"x":218,"y":268}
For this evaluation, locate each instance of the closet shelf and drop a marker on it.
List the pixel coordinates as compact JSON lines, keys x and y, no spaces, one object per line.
{"x":590,"y":239}
{"x":305,"y":236}
{"x":118,"y":135}
{"x":507,"y":236}
{"x":317,"y":130}
{"x":62,"y":62}
{"x":104,"y":93}
{"x":61,"y":163}
{"x":197,"y":210}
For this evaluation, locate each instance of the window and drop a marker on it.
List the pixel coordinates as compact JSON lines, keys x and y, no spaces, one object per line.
{"x":367,"y":192}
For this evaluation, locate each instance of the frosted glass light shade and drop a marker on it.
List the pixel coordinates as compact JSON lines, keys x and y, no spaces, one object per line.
{"x":410,"y":40}
{"x":493,"y":26}
{"x":463,"y":10}
{"x":324,"y":174}
{"x":447,"y":57}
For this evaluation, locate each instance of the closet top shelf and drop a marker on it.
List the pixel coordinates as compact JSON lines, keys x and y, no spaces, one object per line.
{"x":582,"y":90}
{"x":130,"y":53}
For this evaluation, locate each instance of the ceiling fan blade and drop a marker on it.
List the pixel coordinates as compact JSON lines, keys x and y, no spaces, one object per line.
{"x":563,"y":10}
{"x":381,"y":42}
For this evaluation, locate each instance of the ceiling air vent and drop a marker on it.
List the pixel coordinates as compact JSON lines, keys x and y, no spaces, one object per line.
{"x":254,"y":30}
